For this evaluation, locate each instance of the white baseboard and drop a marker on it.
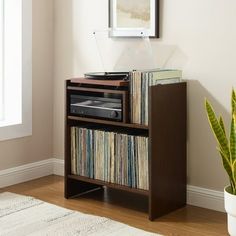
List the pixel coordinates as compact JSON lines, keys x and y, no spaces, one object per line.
{"x":58,"y":167}
{"x":196,"y":196}
{"x":205,"y":198}
{"x":25,"y":173}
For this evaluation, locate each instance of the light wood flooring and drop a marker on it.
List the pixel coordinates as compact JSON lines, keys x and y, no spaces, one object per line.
{"x":189,"y":221}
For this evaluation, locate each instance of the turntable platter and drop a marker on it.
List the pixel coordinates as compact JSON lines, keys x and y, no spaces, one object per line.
{"x":107,"y":75}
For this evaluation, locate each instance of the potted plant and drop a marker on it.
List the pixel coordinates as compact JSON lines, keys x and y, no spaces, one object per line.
{"x":227,"y":150}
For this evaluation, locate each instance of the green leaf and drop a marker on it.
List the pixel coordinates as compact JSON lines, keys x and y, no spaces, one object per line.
{"x":233,"y":107}
{"x":217,"y":130}
{"x":234,"y":175}
{"x":231,"y":185}
{"x":233,"y":101}
{"x":221,"y":122}
{"x":234,"y":165}
{"x":227,"y":149}
{"x":233,"y":141}
{"x":228,"y":167}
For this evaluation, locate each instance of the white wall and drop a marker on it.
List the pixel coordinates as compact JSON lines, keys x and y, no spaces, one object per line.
{"x":38,"y":146}
{"x":74,"y":54}
{"x":200,"y":36}
{"x":203,"y":34}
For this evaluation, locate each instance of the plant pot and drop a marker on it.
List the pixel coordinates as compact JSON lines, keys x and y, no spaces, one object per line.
{"x":230,"y":207}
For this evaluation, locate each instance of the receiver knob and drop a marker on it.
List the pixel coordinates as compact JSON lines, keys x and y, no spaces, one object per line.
{"x":114,"y":114}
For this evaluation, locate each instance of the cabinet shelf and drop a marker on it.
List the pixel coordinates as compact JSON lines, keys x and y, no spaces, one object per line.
{"x":110,"y":185}
{"x":107,"y":122}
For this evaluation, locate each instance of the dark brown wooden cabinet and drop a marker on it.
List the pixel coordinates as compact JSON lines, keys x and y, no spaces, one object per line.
{"x":167,"y":148}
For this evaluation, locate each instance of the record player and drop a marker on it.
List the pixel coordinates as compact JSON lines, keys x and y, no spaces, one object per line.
{"x":105,"y":95}
{"x":118,"y":57}
{"x":107,"y":75}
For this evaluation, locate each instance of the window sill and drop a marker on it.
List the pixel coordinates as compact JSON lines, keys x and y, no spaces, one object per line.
{"x":15,"y":131}
{"x":5,"y":123}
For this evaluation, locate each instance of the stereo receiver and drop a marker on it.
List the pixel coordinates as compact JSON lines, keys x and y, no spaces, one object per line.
{"x":99,"y":99}
{"x":99,"y":107}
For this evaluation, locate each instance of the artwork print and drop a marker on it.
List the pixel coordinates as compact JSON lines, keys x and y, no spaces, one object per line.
{"x":133,"y":14}
{"x":134,"y":17}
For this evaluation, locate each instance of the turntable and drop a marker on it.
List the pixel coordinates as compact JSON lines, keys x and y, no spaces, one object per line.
{"x":117,"y":58}
{"x":107,"y":75}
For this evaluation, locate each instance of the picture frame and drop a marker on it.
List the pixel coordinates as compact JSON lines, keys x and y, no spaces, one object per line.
{"x":134,"y":18}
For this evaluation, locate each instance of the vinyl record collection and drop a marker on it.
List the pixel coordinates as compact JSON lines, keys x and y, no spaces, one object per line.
{"x":109,"y":156}
{"x":139,"y":89}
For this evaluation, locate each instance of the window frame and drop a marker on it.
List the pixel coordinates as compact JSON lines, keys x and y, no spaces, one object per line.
{"x":24,"y":126}
{"x":1,"y":61}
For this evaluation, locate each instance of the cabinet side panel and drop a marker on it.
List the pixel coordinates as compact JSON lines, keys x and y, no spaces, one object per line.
{"x":67,"y":154}
{"x":167,"y":148}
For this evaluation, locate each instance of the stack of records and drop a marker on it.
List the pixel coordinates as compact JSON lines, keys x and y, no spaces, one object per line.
{"x":139,"y":89}
{"x":108,"y":156}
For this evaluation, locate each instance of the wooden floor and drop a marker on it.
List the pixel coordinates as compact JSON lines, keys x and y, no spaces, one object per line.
{"x":189,"y":221}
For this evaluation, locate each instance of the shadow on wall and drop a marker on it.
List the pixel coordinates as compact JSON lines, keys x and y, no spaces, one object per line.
{"x":204,"y":163}
{"x":66,"y":30}
{"x":86,"y":21}
{"x":196,"y":103}
{"x":161,"y":9}
{"x":168,"y":56}
{"x":63,"y":68}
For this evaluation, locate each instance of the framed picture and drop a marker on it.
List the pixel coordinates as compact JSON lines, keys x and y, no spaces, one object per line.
{"x":134,"y":18}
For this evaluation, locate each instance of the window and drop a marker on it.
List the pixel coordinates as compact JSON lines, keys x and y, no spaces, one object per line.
{"x":1,"y":60}
{"x":15,"y":68}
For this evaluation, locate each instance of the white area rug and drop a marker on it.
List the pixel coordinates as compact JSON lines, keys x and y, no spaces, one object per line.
{"x":22,"y":215}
